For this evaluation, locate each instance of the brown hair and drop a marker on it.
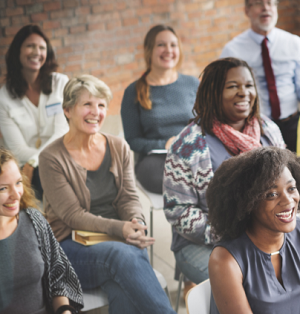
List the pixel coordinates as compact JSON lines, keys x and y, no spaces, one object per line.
{"x":208,"y":104}
{"x":28,"y":199}
{"x":142,"y":87}
{"x":15,"y":82}
{"x":241,"y":183}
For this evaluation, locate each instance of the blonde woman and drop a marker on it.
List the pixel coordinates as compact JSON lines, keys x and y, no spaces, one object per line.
{"x":88,"y":182}
{"x":158,"y":105}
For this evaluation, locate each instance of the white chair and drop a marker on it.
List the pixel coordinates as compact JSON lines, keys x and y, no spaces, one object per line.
{"x":97,"y":298}
{"x":197,"y":299}
{"x":156,"y":202}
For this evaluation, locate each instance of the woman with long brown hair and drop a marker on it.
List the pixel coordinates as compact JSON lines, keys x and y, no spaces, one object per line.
{"x":31,"y":114}
{"x":157,"y":106}
{"x":36,"y":276}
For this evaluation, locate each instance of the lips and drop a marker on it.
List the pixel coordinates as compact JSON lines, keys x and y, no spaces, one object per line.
{"x":242,"y":105}
{"x":92,"y":121}
{"x":286,"y":216}
{"x":11,"y":206}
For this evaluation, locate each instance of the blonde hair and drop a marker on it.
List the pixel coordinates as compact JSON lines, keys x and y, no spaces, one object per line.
{"x":93,"y":85}
{"x":28,"y":198}
{"x":142,"y":87}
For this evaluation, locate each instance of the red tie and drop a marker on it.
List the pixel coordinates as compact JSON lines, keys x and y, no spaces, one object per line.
{"x":274,"y":100}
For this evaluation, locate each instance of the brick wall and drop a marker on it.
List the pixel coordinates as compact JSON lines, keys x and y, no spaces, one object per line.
{"x":104,"y":37}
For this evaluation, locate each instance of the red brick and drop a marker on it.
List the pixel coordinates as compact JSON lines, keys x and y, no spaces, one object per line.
{"x":14,"y":12}
{"x":52,"y":6}
{"x":70,"y":3}
{"x":61,"y":14}
{"x":75,"y":58}
{"x":5,"y":21}
{"x":72,"y":67}
{"x":6,"y":41}
{"x":56,"y":42}
{"x":98,"y":26}
{"x":39,"y":17}
{"x":149,"y":2}
{"x":24,"y":2}
{"x":113,"y":25}
{"x":77,"y":29}
{"x":130,"y":21}
{"x":90,"y":65}
{"x":51,"y":24}
{"x":83,"y":11}
{"x":61,"y":32}
{"x":63,"y":50}
{"x":12,"y":30}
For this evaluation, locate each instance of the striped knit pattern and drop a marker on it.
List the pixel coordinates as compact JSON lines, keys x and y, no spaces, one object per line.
{"x":59,"y":278}
{"x":188,"y":170}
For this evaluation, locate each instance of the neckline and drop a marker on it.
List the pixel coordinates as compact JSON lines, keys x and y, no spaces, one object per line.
{"x":179,"y":75}
{"x":264,"y":253}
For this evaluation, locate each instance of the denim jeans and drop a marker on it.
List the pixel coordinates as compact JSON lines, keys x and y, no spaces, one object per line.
{"x":193,"y":261}
{"x":123,"y":271}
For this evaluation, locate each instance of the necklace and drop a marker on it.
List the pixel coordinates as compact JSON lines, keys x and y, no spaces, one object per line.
{"x":275,"y":253}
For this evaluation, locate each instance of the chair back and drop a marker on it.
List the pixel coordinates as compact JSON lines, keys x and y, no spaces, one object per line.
{"x":197,"y":299}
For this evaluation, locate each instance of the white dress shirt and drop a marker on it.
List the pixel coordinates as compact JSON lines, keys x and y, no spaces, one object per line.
{"x":22,"y":123}
{"x":284,"y":49}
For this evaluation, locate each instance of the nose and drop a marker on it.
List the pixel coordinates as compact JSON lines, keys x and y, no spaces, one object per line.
{"x":15,"y":193}
{"x":243,"y":91}
{"x":286,"y":198}
{"x":95,"y":110}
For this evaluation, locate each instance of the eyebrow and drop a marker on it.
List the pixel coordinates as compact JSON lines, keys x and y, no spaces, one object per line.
{"x":250,"y":81}
{"x":276,"y":186}
{"x":3,"y":184}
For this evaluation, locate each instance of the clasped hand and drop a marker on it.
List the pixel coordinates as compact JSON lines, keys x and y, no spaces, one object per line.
{"x":134,"y":233}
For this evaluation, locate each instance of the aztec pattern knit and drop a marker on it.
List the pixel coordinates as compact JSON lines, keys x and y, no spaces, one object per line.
{"x":59,"y":278}
{"x":188,"y":170}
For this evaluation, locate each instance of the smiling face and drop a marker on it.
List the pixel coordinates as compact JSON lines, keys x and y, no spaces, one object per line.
{"x":11,"y":189}
{"x":239,"y":95}
{"x":33,"y":53}
{"x":88,"y":114}
{"x":166,"y":53}
{"x":263,"y":17}
{"x":277,"y":212}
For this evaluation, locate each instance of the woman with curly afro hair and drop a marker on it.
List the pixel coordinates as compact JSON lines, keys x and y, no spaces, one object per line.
{"x":253,"y":200}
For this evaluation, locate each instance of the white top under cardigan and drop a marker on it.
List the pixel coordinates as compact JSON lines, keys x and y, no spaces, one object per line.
{"x":20,"y":120}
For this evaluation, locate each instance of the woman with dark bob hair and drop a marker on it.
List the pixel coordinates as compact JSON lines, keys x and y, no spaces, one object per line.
{"x":36,"y":276}
{"x":31,"y":115}
{"x":227,"y":123}
{"x":253,"y":200}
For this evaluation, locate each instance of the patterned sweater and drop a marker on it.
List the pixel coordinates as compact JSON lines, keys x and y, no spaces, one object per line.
{"x":188,"y":170}
{"x":59,"y":277}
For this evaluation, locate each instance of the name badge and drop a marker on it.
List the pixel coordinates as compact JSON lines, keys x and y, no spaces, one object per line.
{"x":54,"y":109}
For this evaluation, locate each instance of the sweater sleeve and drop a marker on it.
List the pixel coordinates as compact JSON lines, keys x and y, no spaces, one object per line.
{"x":186,"y":178}
{"x":65,"y":203}
{"x":59,"y":277}
{"x":133,"y":129}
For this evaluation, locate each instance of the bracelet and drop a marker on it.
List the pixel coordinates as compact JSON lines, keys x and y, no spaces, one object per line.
{"x":65,"y":307}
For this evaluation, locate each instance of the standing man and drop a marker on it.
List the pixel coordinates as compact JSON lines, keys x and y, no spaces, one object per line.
{"x":274,"y":56}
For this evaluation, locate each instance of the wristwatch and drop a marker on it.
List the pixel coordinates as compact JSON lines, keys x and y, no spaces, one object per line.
{"x":32,"y":163}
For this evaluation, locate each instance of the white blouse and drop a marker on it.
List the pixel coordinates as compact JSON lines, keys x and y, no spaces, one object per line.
{"x":22,"y":123}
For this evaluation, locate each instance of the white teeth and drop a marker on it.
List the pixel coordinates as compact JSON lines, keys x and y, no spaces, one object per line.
{"x":285,"y":215}
{"x":92,"y":121}
{"x":244,"y":103}
{"x":10,"y":205}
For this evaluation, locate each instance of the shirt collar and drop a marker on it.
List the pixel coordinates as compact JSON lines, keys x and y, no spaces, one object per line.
{"x":259,"y":38}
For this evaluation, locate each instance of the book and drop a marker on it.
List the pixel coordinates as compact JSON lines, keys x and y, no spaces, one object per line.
{"x":90,"y":238}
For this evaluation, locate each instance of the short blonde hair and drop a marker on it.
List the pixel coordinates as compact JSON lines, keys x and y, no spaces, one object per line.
{"x":93,"y":85}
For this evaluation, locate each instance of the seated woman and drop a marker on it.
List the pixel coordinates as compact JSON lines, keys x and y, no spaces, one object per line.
{"x":227,"y":123}
{"x":36,"y":276}
{"x":31,"y":114}
{"x":158,"y":105}
{"x":253,"y":200}
{"x":88,"y":182}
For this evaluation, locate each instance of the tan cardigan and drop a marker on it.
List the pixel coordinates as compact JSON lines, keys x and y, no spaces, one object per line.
{"x":67,"y":198}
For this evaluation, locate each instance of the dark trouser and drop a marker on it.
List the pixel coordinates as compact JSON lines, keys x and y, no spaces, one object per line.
{"x":288,"y":130}
{"x":149,"y":172}
{"x":36,"y":184}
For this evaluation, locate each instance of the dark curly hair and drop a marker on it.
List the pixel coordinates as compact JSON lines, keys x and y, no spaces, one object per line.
{"x":208,"y":104}
{"x":241,"y":182}
{"x":15,"y":82}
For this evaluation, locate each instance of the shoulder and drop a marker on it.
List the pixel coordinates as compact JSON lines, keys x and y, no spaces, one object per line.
{"x":221,"y":260}
{"x":37,"y":219}
{"x":5,"y":95}
{"x":53,"y":150}
{"x":272,"y":131}
{"x":59,"y":80}
{"x":130,"y":89}
{"x":116,"y":143}
{"x":239,"y":39}
{"x":188,"y":80}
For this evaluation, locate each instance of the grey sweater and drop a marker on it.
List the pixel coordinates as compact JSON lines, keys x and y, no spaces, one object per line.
{"x":171,"y":111}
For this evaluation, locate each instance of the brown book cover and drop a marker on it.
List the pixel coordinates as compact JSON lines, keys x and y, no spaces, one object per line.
{"x":90,"y":238}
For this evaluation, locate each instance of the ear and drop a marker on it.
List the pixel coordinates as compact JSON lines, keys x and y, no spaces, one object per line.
{"x":67,"y":112}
